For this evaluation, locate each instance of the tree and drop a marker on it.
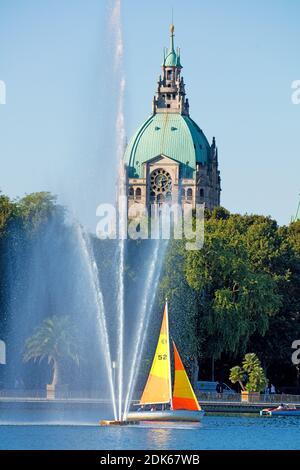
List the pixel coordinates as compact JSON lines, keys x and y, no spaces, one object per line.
{"x":40,"y":208}
{"x":237,"y":376}
{"x":226,"y":297}
{"x":236,"y":297}
{"x":24,"y":223}
{"x":183,"y":307}
{"x":250,"y":376}
{"x":55,"y":340}
{"x":7,"y":211}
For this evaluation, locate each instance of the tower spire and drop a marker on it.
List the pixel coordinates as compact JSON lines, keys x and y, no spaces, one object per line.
{"x":172,"y":29}
{"x":170,"y":95}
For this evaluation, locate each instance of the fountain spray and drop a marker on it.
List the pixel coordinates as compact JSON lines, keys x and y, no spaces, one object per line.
{"x":116,"y":26}
{"x":146,"y":309}
{"x":92,"y":270}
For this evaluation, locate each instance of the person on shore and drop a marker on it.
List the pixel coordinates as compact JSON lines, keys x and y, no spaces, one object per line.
{"x":267,"y":390}
{"x":220,"y":389}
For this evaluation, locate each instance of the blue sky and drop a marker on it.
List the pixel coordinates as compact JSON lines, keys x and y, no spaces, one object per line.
{"x":239,"y":57}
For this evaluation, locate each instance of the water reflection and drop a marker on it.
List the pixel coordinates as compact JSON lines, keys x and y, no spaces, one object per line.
{"x":216,"y":432}
{"x":161,"y":435}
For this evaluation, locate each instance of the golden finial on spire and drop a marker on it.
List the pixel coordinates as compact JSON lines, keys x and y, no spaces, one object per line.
{"x":172,"y":28}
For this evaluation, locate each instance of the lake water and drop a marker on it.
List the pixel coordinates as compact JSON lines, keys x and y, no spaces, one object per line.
{"x":215,"y":432}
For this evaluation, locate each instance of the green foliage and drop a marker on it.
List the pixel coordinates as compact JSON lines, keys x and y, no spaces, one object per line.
{"x":56,"y":340}
{"x":237,"y":376}
{"x":38,"y":208}
{"x":7,"y":211}
{"x":239,"y":293}
{"x":236,"y":293}
{"x":244,"y":284}
{"x":183,"y":304}
{"x":30,"y":212}
{"x":57,"y":337}
{"x":22,"y":222}
{"x":250,"y":376}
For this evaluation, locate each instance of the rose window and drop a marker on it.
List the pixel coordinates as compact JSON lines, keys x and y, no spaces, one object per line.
{"x":161,"y":182}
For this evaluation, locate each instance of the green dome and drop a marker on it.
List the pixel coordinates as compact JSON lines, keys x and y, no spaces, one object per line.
{"x":172,"y":135}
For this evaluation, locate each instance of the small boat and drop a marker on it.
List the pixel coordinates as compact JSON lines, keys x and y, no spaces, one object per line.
{"x":158,"y":402}
{"x":281,"y":410}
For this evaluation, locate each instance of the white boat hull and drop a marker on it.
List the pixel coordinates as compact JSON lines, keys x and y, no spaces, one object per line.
{"x":274,"y":412}
{"x":167,"y":415}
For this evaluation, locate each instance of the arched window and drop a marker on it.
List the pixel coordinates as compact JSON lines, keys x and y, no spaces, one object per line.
{"x":160,"y":198}
{"x":138,"y":194}
{"x":131,"y":193}
{"x":189,"y":194}
{"x":183,"y":194}
{"x":169,"y":74}
{"x":168,"y":196}
{"x":201,"y":192}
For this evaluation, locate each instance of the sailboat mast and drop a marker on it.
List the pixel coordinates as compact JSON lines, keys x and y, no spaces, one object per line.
{"x":169,"y":355}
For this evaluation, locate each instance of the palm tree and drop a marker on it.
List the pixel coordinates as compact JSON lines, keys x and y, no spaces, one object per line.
{"x":250,"y":362}
{"x":237,"y":376}
{"x":56,"y":339}
{"x":250,"y":376}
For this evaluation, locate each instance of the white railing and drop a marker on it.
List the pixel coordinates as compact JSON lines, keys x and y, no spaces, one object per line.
{"x":203,"y":397}
{"x":237,"y":398}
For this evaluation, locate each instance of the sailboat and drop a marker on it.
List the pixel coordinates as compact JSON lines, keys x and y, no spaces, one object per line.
{"x":158,"y":402}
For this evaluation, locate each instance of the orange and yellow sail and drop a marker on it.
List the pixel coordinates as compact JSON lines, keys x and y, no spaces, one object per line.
{"x":159,"y":387}
{"x":184,"y":397}
{"x":159,"y":384}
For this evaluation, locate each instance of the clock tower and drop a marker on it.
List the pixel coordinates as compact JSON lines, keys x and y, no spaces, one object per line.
{"x":169,"y":159}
